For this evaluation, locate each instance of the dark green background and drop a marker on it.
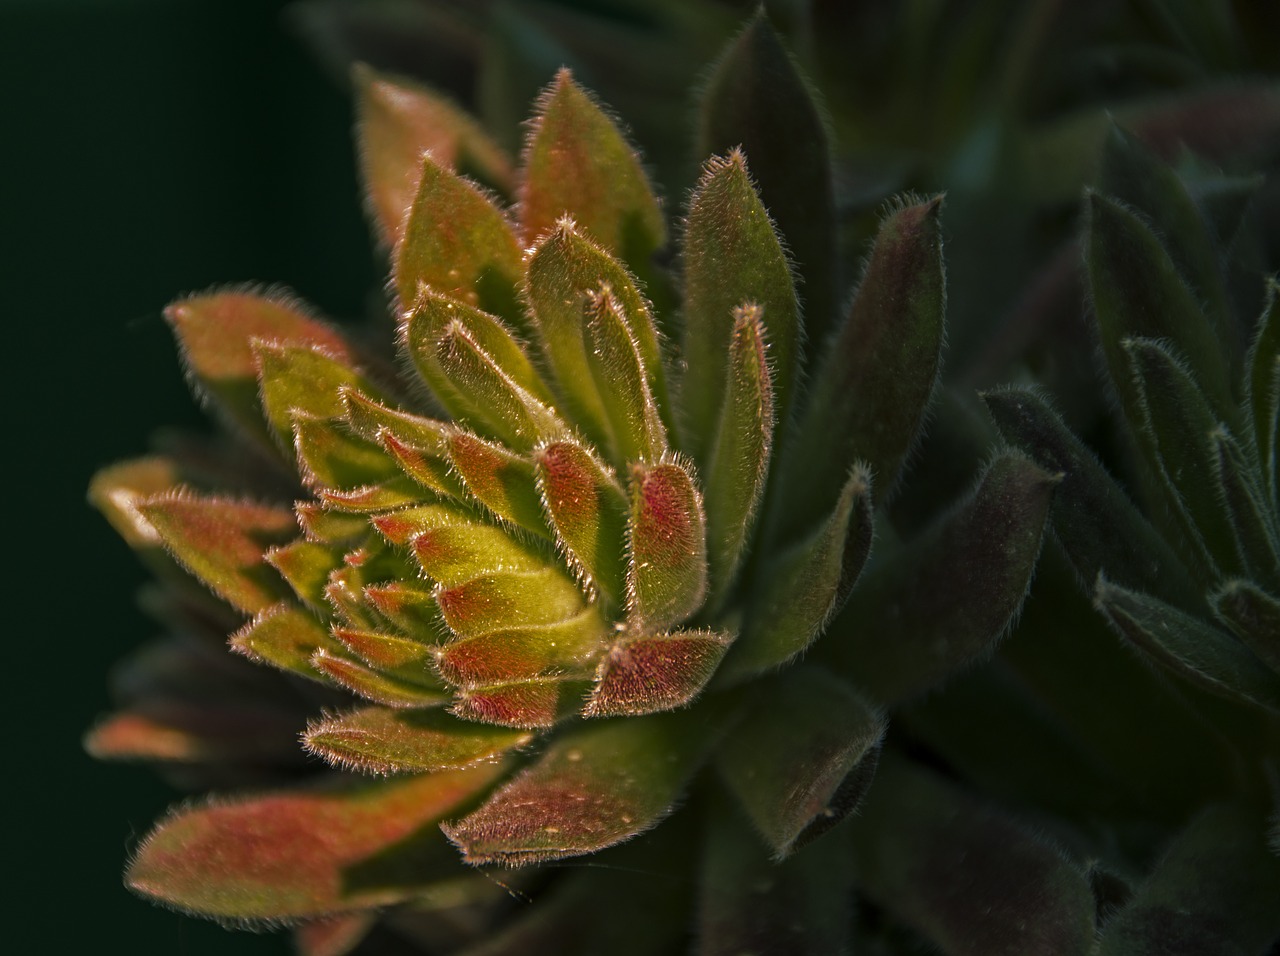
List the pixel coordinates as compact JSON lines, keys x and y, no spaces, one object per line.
{"x":149,"y":148}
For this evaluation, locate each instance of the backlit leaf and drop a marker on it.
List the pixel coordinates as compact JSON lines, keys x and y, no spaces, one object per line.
{"x":286,"y":637}
{"x":666,"y":546}
{"x":643,"y":675}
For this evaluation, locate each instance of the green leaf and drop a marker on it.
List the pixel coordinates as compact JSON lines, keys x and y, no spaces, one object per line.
{"x":743,"y":442}
{"x":651,"y":673}
{"x":1214,"y":891}
{"x":419,"y":446}
{"x":508,"y":654}
{"x":396,"y":122}
{"x":378,"y":740}
{"x":732,"y":256}
{"x":801,"y":589}
{"x":577,"y":163}
{"x":526,"y":704}
{"x":387,"y":652}
{"x":635,"y":424}
{"x":370,"y":499}
{"x":587,"y":509}
{"x":318,"y":523}
{"x":666,"y":547}
{"x":756,"y":99}
{"x":594,"y":787}
{"x":801,"y":759}
{"x":458,"y":243}
{"x":868,"y":398}
{"x":301,"y":853}
{"x":1137,"y":292}
{"x":945,"y":600}
{"x":216,"y":333}
{"x":1250,"y":522}
{"x":564,"y":268}
{"x":222,"y":542}
{"x":376,"y":685}
{"x":116,"y":490}
{"x":306,"y":565}
{"x":453,"y":554}
{"x":304,"y":379}
{"x":1188,"y":646}
{"x":504,"y":599}
{"x":329,"y":457}
{"x":1254,"y":615}
{"x":972,"y":880}
{"x":1264,"y":389}
{"x":286,"y":637}
{"x":1096,"y":523}
{"x":412,"y":610}
{"x":500,"y":480}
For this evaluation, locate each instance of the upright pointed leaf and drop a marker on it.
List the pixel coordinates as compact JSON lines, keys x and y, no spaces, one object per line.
{"x":503,"y":482}
{"x":303,"y":852}
{"x":577,"y":163}
{"x":1242,"y":504}
{"x":944,"y":601}
{"x":732,"y":256}
{"x":757,"y":100}
{"x":1254,"y":615}
{"x":1264,"y":388}
{"x":666,"y":547}
{"x":593,"y":787}
{"x":304,"y":379}
{"x":870,"y":393}
{"x":644,"y":675}
{"x":306,"y":565}
{"x":800,"y":761}
{"x":396,"y":122}
{"x":509,"y":654}
{"x":741,"y":449}
{"x":459,"y":243}
{"x":502,"y":599}
{"x":222,"y":542}
{"x":330,"y":457}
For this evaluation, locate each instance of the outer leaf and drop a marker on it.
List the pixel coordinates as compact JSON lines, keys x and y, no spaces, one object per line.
{"x":577,"y":163}
{"x":197,"y":733}
{"x":526,"y":704}
{"x":1252,"y":525}
{"x":1099,"y":528}
{"x":515,"y":653}
{"x":594,"y":787}
{"x":757,"y":100}
{"x":459,"y":243}
{"x":564,"y":267}
{"x":306,"y":565}
{"x":379,"y":740}
{"x":1264,"y":388}
{"x":299,"y":853}
{"x":329,"y":457}
{"x":975,"y":882}
{"x":587,"y":509}
{"x":286,"y":637}
{"x":334,"y":935}
{"x":1188,"y":646}
{"x":503,"y":482}
{"x":803,"y":758}
{"x":803,"y":588}
{"x":216,"y":333}
{"x":503,"y":599}
{"x":1137,"y":292}
{"x":396,"y":122}
{"x":947,"y":598}
{"x":666,"y":547}
{"x":1254,"y":615}
{"x":732,"y":256}
{"x":644,"y":675}
{"x":739,"y":460}
{"x":871,"y":391}
{"x":617,"y":368}
{"x":378,"y":686}
{"x":304,"y":379}
{"x":1215,"y":891}
{"x":116,"y":490}
{"x":222,"y":541}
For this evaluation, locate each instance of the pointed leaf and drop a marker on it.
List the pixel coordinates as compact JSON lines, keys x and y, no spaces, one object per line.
{"x":370,"y":499}
{"x":375,"y":685}
{"x":329,"y":457}
{"x":756,"y":100}
{"x":1214,"y":891}
{"x":411,"y":609}
{"x":222,"y":542}
{"x":387,"y":652}
{"x":173,"y":732}
{"x":594,"y":787}
{"x":1188,"y":646}
{"x":971,"y":879}
{"x":286,"y":637}
{"x":454,"y":554}
{"x":1242,"y":503}
{"x":644,"y":675}
{"x":216,"y":333}
{"x":743,"y":442}
{"x":512,"y":653}
{"x":801,"y":760}
{"x":306,"y":565}
{"x":329,"y":527}
{"x":1137,"y":292}
{"x":1097,"y":524}
{"x":947,"y":598}
{"x":1264,"y":389}
{"x":667,"y":547}
{"x":378,"y":740}
{"x":587,"y":509}
{"x":396,"y":122}
{"x":503,"y":599}
{"x":457,"y":242}
{"x":1254,"y":615}
{"x":401,"y":527}
{"x":527,"y":704}
{"x":804,"y":587}
{"x":116,"y":490}
{"x":298,"y":853}
{"x":617,"y":368}
{"x":563,"y":268}
{"x":870,"y":393}
{"x":732,"y":256}
{"x":502,"y":481}
{"x":577,"y":163}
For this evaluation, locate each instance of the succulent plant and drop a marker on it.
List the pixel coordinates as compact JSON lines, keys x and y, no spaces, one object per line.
{"x":567,"y":555}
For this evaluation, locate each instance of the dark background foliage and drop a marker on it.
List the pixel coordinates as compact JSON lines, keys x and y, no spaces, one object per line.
{"x":150,"y":148}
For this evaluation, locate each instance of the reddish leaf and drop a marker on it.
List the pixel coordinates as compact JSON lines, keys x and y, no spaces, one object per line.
{"x":513,"y":653}
{"x":642,"y":675}
{"x":334,"y":935}
{"x":667,"y":573}
{"x":375,"y":685}
{"x":384,"y":651}
{"x":504,"y":483}
{"x":527,"y":704}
